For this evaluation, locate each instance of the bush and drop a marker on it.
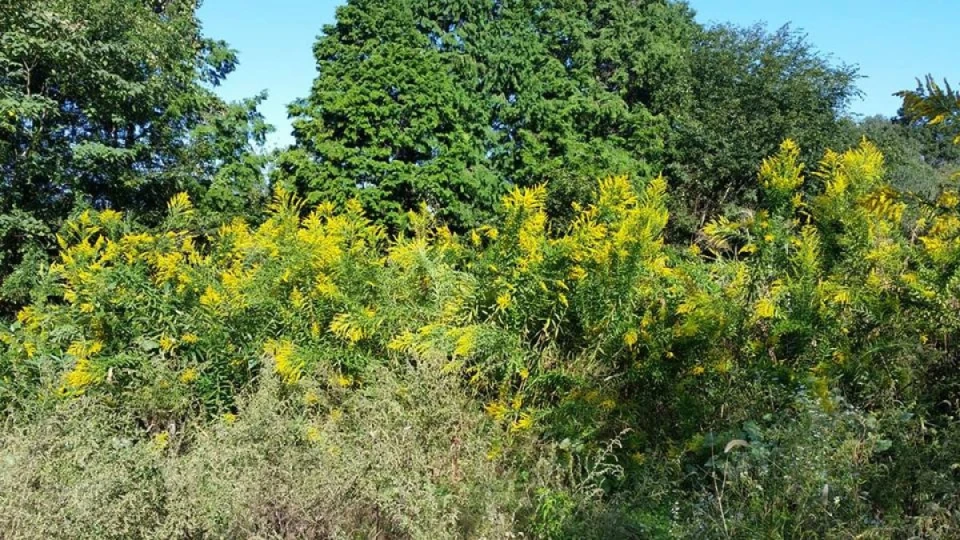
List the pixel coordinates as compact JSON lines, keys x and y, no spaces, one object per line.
{"x":615,"y":354}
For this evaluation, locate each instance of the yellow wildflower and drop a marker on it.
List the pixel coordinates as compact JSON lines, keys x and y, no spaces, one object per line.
{"x":523,"y":423}
{"x":313,"y":434}
{"x":286,"y":362}
{"x":81,"y":375}
{"x":765,"y":308}
{"x":210,"y":298}
{"x":496,"y":410}
{"x":167,"y":343}
{"x":465,"y":342}
{"x":161,"y":440}
{"x":188,"y":376}
{"x":949,"y":199}
{"x":344,"y":327}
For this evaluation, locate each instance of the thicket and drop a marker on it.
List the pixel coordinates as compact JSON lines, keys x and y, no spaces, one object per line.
{"x":465,"y":303}
{"x":597,"y":340}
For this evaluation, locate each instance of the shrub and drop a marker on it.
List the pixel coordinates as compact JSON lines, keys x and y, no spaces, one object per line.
{"x":837,"y":288}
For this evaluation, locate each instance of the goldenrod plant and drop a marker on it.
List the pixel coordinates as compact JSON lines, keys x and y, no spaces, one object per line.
{"x":835,"y":288}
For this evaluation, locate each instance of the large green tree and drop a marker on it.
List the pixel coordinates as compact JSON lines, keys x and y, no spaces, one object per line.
{"x":750,"y":89}
{"x":110,"y":103}
{"x":450,"y":102}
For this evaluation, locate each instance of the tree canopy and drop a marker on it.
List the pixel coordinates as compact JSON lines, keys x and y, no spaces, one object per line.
{"x":110,"y":103}
{"x":750,"y":89}
{"x":451,"y":103}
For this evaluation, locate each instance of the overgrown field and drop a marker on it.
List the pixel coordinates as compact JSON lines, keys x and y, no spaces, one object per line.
{"x":790,"y":373}
{"x":523,"y":269}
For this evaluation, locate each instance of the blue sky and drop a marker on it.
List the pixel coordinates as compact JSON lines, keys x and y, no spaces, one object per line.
{"x":891,"y":40}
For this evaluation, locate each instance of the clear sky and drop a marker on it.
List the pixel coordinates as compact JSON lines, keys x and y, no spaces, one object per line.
{"x":893,"y":42}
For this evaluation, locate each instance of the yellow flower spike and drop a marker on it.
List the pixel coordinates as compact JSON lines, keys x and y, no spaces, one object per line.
{"x":286,"y":362}
{"x":26,"y":315}
{"x":81,"y":375}
{"x":190,"y":338}
{"x":765,"y":308}
{"x":211,"y":298}
{"x":344,"y":327}
{"x":949,"y":199}
{"x":180,"y":204}
{"x":630,"y":338}
{"x":577,"y":273}
{"x":297,"y":300}
{"x":783,"y":172}
{"x":229,"y":418}
{"x":465,"y":342}
{"x":504,"y":300}
{"x":524,"y":423}
{"x":189,"y":375}
{"x":841,"y":297}
{"x":496,"y":410}
{"x":167,"y":343}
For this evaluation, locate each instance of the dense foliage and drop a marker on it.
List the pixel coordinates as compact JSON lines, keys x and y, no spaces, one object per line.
{"x":453,"y":103}
{"x":847,"y":297}
{"x":750,"y":89}
{"x":549,"y":269}
{"x":108,"y":104}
